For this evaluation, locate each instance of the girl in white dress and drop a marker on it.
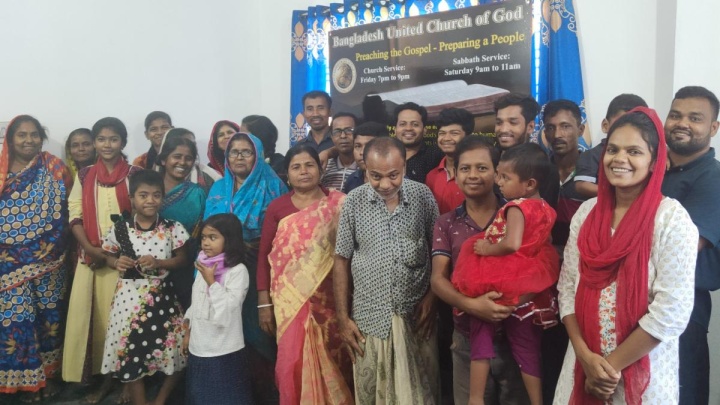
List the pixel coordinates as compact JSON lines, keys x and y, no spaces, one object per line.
{"x":626,"y":286}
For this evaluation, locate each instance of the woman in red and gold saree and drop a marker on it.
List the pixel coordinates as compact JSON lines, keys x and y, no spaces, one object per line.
{"x":296,"y":259}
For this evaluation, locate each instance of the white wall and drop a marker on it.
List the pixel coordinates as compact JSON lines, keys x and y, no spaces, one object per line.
{"x":276,"y":44}
{"x":70,"y":63}
{"x":697,"y":52}
{"x":610,"y":66}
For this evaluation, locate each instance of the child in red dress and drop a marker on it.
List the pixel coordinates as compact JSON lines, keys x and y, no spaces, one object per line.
{"x":516,"y":258}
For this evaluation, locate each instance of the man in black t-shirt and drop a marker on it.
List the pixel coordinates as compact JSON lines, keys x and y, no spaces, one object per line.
{"x":589,"y":162}
{"x":410,"y":121}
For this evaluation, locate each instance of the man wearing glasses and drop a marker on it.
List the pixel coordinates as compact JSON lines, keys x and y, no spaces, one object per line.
{"x":340,"y":168}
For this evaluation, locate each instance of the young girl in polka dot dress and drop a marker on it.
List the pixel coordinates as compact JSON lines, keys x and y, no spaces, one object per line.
{"x":145,"y":329}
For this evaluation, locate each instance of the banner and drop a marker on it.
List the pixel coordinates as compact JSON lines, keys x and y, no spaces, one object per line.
{"x":465,"y":58}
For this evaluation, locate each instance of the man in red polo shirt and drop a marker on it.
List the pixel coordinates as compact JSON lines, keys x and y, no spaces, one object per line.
{"x":454,"y":124}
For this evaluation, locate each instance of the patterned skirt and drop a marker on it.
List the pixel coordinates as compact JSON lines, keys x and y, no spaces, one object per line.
{"x":31,"y":329}
{"x":144,"y":334}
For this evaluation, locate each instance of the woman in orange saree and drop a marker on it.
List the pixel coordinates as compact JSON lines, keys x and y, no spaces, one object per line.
{"x":294,"y":269}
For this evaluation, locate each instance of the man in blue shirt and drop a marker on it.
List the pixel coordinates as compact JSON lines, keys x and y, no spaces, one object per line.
{"x":694,"y":179}
{"x":363,"y":134}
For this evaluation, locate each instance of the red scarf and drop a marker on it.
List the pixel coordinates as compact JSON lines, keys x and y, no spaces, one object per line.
{"x":98,"y":174}
{"x":5,"y":157}
{"x":214,"y":153}
{"x":622,"y":257}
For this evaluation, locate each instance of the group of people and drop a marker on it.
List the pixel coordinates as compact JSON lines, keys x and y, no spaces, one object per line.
{"x":364,"y":268}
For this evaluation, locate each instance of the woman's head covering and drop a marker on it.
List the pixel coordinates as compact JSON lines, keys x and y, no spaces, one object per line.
{"x":5,"y":153}
{"x":69,"y":161}
{"x":621,"y":256}
{"x":250,"y":202}
{"x":5,"y":157}
{"x":215,"y":154}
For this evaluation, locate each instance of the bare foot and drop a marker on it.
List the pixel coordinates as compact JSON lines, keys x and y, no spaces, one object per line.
{"x":98,"y":395}
{"x":124,"y":397}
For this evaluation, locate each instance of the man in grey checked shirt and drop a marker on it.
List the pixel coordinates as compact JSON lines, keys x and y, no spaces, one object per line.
{"x":382,"y":250}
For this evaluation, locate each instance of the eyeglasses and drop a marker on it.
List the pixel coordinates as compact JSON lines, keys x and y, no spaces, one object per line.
{"x":246,"y":153}
{"x":347,"y":131}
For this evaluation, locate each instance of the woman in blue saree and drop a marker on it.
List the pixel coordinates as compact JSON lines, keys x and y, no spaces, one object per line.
{"x":33,"y":232}
{"x":184,"y":202}
{"x":248,"y":187}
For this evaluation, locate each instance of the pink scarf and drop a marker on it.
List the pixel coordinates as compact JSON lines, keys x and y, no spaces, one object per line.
{"x":218,"y":260}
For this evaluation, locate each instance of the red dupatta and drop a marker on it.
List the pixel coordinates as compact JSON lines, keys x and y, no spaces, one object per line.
{"x":5,"y":159}
{"x":623,"y":257}
{"x":215,"y":155}
{"x":98,"y":174}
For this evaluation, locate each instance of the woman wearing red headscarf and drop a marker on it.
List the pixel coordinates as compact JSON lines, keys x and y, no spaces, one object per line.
{"x":626,"y":286}
{"x":219,"y":137}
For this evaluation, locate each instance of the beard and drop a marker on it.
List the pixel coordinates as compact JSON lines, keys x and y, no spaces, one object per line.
{"x":687,"y":148}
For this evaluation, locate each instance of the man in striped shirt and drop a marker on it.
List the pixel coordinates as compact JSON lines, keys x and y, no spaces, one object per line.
{"x":340,"y":168}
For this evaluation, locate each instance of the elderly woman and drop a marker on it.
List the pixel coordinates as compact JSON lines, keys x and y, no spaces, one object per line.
{"x":33,"y":225}
{"x":247,"y":189}
{"x":626,"y":286}
{"x":295,"y":262}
